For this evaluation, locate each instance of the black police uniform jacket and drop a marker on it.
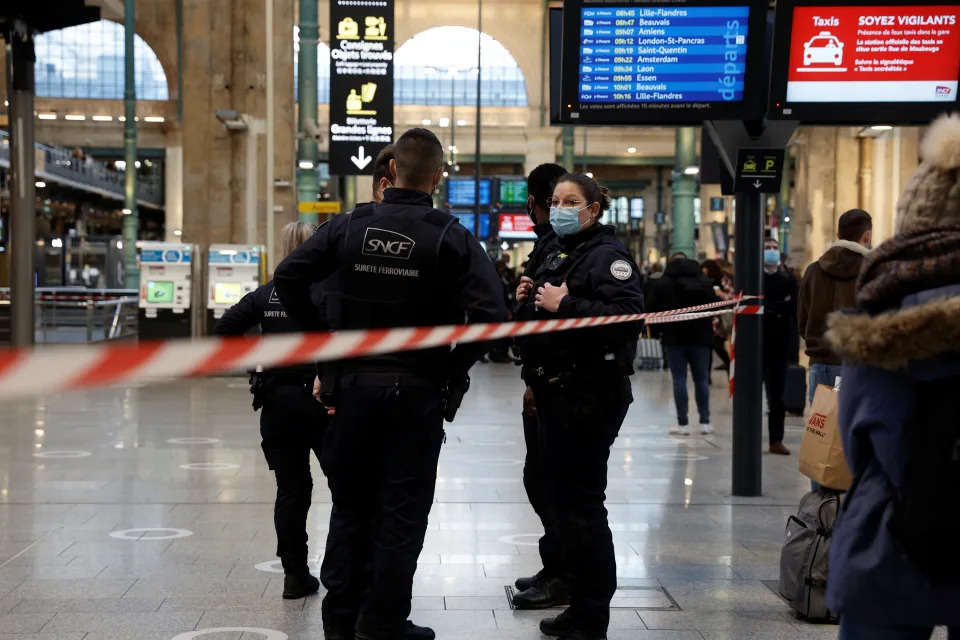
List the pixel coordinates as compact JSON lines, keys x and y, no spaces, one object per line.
{"x":600,"y":275}
{"x":262,"y":307}
{"x":399,"y":263}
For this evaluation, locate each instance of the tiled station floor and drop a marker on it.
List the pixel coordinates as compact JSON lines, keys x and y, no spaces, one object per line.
{"x":145,"y":513}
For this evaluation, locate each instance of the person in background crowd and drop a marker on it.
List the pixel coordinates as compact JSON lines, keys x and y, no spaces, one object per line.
{"x":723,"y":285}
{"x":383,"y":445}
{"x":828,"y":285}
{"x":653,"y":275}
{"x":382,"y":178}
{"x":501,"y":348}
{"x":894,"y":557}
{"x":780,"y":346}
{"x":686,"y":343}
{"x":582,"y":390}
{"x":548,"y":587}
{"x":292,"y":422}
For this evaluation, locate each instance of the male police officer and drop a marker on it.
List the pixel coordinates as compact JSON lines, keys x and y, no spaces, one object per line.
{"x":400,"y":263}
{"x":548,"y":588}
{"x":381,"y":173}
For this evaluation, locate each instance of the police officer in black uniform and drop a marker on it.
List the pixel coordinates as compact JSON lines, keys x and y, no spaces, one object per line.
{"x":292,"y":423}
{"x":548,"y":588}
{"x":400,"y":263}
{"x":581,"y":386}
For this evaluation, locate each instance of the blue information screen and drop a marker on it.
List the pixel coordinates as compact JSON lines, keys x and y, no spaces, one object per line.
{"x":662,"y":54}
{"x":468,"y":220}
{"x":462,"y":192}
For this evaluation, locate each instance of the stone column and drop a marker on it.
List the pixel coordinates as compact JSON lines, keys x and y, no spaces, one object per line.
{"x":541,"y":148}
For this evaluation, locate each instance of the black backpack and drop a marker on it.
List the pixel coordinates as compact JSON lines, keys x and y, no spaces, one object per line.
{"x":926,"y":514}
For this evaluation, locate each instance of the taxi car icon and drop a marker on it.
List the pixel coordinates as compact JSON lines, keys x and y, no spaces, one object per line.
{"x":750,"y":166}
{"x":825,"y":48}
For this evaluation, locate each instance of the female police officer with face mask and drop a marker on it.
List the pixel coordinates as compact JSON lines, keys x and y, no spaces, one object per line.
{"x":292,"y":423}
{"x":581,"y":386}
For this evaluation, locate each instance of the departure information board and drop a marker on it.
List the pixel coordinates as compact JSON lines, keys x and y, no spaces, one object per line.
{"x":462,"y":192}
{"x":513,"y":192}
{"x":660,"y":61}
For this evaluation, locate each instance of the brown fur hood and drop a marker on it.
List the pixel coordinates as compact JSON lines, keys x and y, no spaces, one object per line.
{"x":894,"y":339}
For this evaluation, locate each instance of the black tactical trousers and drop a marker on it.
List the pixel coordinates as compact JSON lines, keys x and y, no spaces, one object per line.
{"x":578,"y":425}
{"x":292,"y":424}
{"x":380,"y":457}
{"x":551,"y":551}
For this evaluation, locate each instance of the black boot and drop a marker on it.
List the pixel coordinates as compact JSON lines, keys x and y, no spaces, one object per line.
{"x":544,"y":594}
{"x":523,"y":584}
{"x":560,"y":626}
{"x":299,"y":584}
{"x":582,"y":635}
{"x":416,"y":632}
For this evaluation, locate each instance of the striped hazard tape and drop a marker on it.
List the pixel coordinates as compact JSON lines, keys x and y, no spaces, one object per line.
{"x":26,"y":372}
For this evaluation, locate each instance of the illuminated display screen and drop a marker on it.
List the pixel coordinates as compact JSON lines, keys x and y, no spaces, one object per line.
{"x":864,"y":62}
{"x":874,"y":54}
{"x":469,"y":220}
{"x":660,"y":60}
{"x":513,"y":192}
{"x":159,"y":292}
{"x":227,"y":292}
{"x":462,"y":192}
{"x":517,"y":226}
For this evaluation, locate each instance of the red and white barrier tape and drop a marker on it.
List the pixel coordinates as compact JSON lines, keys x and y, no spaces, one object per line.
{"x":741,"y":310}
{"x":25,"y":372}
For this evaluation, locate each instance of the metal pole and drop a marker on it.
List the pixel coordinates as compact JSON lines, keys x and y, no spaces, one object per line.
{"x":684,"y":192}
{"x":307,"y":99}
{"x":271,"y":257}
{"x":476,"y":157}
{"x":658,"y":216}
{"x":585,"y":130}
{"x":748,"y":399}
{"x":250,"y":195}
{"x":569,"y":152}
{"x":131,"y":219}
{"x":453,"y":130}
{"x":20,"y":60}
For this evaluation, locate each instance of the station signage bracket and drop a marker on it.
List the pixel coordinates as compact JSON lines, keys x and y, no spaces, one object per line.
{"x":361,"y":84}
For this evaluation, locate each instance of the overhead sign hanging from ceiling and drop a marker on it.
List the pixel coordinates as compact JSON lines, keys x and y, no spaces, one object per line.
{"x":361,"y":84}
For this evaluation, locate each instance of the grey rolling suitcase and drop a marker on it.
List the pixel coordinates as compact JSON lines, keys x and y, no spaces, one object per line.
{"x":804,"y":557}
{"x":649,"y":354}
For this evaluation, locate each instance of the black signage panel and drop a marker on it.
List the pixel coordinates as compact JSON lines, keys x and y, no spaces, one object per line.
{"x":361,"y":84}
{"x":759,"y":170}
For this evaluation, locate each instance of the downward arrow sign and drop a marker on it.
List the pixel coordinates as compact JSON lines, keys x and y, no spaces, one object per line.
{"x":361,"y":159}
{"x":757,"y":184}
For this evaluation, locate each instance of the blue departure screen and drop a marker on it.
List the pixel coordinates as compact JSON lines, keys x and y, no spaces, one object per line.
{"x":462,"y":192}
{"x":469,"y":219}
{"x":631,"y":55}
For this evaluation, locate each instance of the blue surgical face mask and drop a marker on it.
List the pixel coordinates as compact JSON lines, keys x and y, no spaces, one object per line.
{"x":565,"y":220}
{"x":771,"y":257}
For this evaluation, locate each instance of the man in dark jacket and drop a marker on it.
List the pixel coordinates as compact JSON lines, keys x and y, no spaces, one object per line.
{"x":780,"y":343}
{"x":689,"y":342}
{"x":828,"y":285}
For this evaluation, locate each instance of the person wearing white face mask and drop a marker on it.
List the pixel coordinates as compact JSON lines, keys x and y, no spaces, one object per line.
{"x":780,"y":340}
{"x":581,"y":387}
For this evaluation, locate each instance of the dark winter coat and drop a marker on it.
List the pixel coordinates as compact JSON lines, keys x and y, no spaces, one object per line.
{"x":828,"y":285}
{"x":888,"y":360}
{"x":683,"y":285}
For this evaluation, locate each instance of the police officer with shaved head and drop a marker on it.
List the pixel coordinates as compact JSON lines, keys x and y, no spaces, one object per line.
{"x":398,"y":263}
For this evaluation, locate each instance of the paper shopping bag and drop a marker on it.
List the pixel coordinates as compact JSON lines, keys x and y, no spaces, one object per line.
{"x":821,"y":453}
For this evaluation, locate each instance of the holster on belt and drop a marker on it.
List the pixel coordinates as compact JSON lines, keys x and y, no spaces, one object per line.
{"x":330,"y":383}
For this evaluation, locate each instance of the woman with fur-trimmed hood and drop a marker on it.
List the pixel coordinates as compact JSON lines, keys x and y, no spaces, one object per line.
{"x":895,"y":554}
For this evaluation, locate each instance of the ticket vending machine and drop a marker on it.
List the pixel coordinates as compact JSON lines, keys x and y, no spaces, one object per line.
{"x":233,"y":271}
{"x":168,"y":271}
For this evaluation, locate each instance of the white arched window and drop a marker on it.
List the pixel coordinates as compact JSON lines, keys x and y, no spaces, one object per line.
{"x":86,"y":61}
{"x":438,"y":67}
{"x":323,"y":69}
